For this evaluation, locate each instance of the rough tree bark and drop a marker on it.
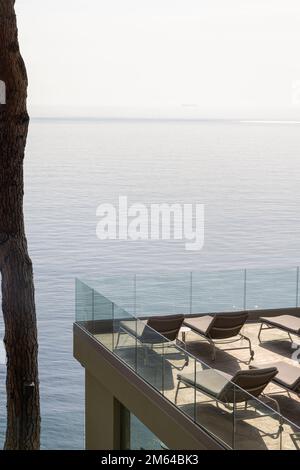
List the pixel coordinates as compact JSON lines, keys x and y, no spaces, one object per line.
{"x":18,"y":305}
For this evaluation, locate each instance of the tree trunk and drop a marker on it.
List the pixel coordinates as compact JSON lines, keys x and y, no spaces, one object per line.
{"x":23,"y":409}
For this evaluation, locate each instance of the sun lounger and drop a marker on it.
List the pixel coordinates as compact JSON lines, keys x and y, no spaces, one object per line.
{"x":243,"y":387}
{"x":219,"y":385}
{"x":158,"y":330}
{"x":287,"y":323}
{"x":221,"y":329}
{"x":154,"y":330}
{"x":288,"y":375}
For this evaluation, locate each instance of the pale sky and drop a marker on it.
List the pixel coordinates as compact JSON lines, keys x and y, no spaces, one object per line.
{"x":212,"y":58}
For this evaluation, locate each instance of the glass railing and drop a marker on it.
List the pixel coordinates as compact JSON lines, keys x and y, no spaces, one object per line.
{"x":208,"y":397}
{"x":201,"y":292}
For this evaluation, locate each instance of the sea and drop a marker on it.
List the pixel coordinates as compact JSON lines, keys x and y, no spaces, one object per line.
{"x":246,"y":174}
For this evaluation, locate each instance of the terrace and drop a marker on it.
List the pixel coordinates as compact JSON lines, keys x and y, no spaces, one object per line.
{"x":249,"y":422}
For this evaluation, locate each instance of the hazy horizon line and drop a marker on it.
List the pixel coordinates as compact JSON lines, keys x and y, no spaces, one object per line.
{"x":162,"y":119}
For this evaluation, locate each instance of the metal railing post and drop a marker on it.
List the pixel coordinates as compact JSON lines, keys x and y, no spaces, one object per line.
{"x":297,"y":287}
{"x":245,"y":289}
{"x":93,"y":305}
{"x":113,"y":325}
{"x":134,"y":293}
{"x":191,"y":292}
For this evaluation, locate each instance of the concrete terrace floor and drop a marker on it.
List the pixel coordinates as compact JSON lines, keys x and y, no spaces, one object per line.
{"x":253,"y":428}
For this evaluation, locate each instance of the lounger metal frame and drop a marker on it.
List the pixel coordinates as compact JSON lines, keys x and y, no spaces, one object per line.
{"x":268,"y":326}
{"x":214,"y":342}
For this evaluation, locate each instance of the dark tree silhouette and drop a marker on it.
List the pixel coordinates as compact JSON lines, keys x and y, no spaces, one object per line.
{"x":18,"y":305}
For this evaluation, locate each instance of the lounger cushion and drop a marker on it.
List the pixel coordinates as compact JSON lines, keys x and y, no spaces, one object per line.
{"x":284,"y":322}
{"x":199,"y":324}
{"x":135,"y":328}
{"x":288,"y":374}
{"x":211,"y":381}
{"x":219,"y":326}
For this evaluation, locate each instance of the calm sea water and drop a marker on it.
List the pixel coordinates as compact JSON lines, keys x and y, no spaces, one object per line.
{"x":246,"y":174}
